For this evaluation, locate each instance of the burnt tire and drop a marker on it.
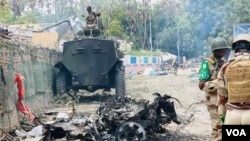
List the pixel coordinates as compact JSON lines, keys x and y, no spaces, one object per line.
{"x":129,"y":131}
{"x":120,"y":85}
{"x":61,"y":83}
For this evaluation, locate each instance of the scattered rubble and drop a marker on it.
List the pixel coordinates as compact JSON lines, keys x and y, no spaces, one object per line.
{"x":126,"y":119}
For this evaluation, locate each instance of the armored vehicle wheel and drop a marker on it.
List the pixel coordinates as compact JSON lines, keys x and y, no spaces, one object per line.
{"x":120,"y":89}
{"x":61,"y":83}
{"x":130,"y":131}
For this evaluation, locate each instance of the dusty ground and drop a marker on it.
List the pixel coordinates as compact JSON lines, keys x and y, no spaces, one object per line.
{"x":183,"y":86}
{"x":196,"y":122}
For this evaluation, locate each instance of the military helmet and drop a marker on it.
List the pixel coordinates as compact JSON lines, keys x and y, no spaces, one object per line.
{"x":219,"y":43}
{"x":89,"y":8}
{"x":241,"y":37}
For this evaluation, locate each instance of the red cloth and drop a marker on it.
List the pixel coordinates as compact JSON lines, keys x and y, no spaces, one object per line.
{"x":21,"y":93}
{"x":19,"y":80}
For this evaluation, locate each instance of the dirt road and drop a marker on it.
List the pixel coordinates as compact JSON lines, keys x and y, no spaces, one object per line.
{"x":183,"y":86}
{"x":196,"y":124}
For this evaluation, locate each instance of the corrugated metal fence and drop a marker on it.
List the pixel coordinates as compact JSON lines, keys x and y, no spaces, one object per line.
{"x":36,"y":65}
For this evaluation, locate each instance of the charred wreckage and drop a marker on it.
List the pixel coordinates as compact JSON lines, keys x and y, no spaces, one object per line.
{"x":127,"y":120}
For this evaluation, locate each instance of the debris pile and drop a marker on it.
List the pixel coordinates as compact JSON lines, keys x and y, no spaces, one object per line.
{"x":126,"y":119}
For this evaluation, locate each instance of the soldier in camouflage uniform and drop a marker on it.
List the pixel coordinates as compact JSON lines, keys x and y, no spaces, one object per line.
{"x":92,"y":18}
{"x":234,"y":83}
{"x":218,"y":47}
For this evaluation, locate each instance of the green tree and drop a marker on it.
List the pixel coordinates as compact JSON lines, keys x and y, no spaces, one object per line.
{"x":5,"y":12}
{"x":26,"y":18}
{"x":115,"y":29}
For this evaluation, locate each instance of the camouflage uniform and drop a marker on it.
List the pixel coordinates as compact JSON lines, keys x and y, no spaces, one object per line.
{"x":91,"y":19}
{"x":234,"y":81}
{"x":210,"y":89}
{"x":211,"y":98}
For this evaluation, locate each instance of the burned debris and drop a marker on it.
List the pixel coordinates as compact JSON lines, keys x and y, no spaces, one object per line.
{"x":126,"y":119}
{"x":134,"y":119}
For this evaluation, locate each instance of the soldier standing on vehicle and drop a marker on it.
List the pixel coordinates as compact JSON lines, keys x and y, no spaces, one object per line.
{"x":234,"y":83}
{"x":208,"y":72}
{"x":92,"y":18}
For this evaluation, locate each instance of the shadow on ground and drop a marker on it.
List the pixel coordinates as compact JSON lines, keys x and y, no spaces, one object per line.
{"x":95,"y":97}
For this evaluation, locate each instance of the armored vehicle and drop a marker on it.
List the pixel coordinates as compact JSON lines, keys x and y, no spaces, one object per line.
{"x":91,"y":62}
